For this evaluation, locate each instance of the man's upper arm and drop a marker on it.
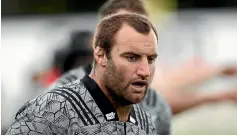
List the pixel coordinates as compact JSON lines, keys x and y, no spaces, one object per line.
{"x":46,"y":114}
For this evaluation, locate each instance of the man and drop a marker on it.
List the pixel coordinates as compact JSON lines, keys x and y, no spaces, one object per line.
{"x":105,"y":102}
{"x":153,"y":103}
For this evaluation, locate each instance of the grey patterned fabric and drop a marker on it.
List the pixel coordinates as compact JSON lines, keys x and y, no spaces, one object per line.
{"x":70,"y":109}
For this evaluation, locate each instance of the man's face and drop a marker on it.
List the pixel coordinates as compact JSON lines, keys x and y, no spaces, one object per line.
{"x":131,"y":65}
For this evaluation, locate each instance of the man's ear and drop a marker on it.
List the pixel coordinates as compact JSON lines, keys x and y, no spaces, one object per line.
{"x":100,"y":56}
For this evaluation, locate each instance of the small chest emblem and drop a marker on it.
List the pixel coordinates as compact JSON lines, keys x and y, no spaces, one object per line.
{"x":132,"y":119}
{"x":110,"y":116}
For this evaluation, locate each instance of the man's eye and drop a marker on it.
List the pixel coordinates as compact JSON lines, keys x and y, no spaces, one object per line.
{"x":151,"y":60}
{"x":132,"y":58}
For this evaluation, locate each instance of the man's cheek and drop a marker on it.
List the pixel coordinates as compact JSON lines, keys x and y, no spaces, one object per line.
{"x":152,"y":71}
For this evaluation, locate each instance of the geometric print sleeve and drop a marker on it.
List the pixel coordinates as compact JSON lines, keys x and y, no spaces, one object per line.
{"x":47,"y":114}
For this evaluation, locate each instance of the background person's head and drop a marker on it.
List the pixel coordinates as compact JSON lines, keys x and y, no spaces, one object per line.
{"x":125,"y":48}
{"x":79,"y":51}
{"x":119,"y":6}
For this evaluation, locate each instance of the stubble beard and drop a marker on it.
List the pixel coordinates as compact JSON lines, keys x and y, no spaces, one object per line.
{"x":114,"y":83}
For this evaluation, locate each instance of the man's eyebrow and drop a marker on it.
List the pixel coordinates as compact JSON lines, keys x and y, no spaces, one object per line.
{"x":130,"y":53}
{"x":155,"y":55}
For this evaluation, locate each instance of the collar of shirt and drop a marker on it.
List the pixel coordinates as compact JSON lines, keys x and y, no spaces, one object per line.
{"x":103,"y":102}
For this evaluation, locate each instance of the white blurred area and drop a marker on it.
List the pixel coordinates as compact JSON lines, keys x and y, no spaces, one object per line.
{"x":207,"y":34}
{"x":28,"y":45}
{"x":210,"y":35}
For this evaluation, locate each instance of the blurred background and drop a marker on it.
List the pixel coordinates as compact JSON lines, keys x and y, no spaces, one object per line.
{"x":35,"y":32}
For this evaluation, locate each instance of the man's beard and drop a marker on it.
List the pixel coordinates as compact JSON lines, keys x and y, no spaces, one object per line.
{"x":114,"y":83}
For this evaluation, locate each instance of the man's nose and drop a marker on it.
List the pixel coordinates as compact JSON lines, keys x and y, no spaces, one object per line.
{"x":144,"y":68}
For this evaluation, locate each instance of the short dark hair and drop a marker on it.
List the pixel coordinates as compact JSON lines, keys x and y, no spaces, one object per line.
{"x":112,"y":6}
{"x":110,"y":25}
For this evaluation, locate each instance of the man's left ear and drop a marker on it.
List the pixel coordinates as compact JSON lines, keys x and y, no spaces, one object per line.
{"x":100,"y":56}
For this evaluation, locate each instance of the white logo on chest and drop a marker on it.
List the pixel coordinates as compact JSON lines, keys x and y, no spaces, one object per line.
{"x":132,"y":119}
{"x":110,"y":115}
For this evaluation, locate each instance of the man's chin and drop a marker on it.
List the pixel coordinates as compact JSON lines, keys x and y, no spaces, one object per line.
{"x":137,"y":99}
{"x":130,"y":101}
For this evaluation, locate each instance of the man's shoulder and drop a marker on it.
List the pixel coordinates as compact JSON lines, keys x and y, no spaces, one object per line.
{"x":144,"y":119}
{"x":70,"y":92}
{"x":142,"y":115}
{"x":159,"y":110}
{"x":57,"y":107}
{"x":35,"y":116}
{"x":53,"y":99}
{"x":154,"y":102}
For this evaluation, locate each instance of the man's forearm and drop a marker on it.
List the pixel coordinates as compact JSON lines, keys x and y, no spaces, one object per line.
{"x":180,"y":101}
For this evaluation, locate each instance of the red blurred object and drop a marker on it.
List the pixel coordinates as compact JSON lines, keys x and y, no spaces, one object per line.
{"x":46,"y":78}
{"x":50,"y":76}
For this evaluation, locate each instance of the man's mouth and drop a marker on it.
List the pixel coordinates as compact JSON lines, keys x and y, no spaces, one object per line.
{"x":140,"y":84}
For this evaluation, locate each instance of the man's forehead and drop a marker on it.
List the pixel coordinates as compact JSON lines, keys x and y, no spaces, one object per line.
{"x":134,"y":44}
{"x":129,"y":34}
{"x":138,"y":46}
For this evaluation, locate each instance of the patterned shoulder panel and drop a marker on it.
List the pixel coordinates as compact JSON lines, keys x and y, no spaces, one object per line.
{"x":82,"y":102}
{"x":57,"y":111}
{"x":41,"y":115}
{"x":144,"y":120}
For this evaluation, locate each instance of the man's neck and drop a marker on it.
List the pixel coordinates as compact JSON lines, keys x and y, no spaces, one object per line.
{"x":122,"y":111}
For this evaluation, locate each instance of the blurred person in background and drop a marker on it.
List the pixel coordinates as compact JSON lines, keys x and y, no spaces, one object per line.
{"x":77,"y":53}
{"x":80,"y":52}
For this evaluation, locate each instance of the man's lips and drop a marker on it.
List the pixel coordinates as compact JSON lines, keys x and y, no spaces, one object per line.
{"x":139,"y":84}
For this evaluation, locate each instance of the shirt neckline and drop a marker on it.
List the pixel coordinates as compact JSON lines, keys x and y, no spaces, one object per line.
{"x":103,"y":102}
